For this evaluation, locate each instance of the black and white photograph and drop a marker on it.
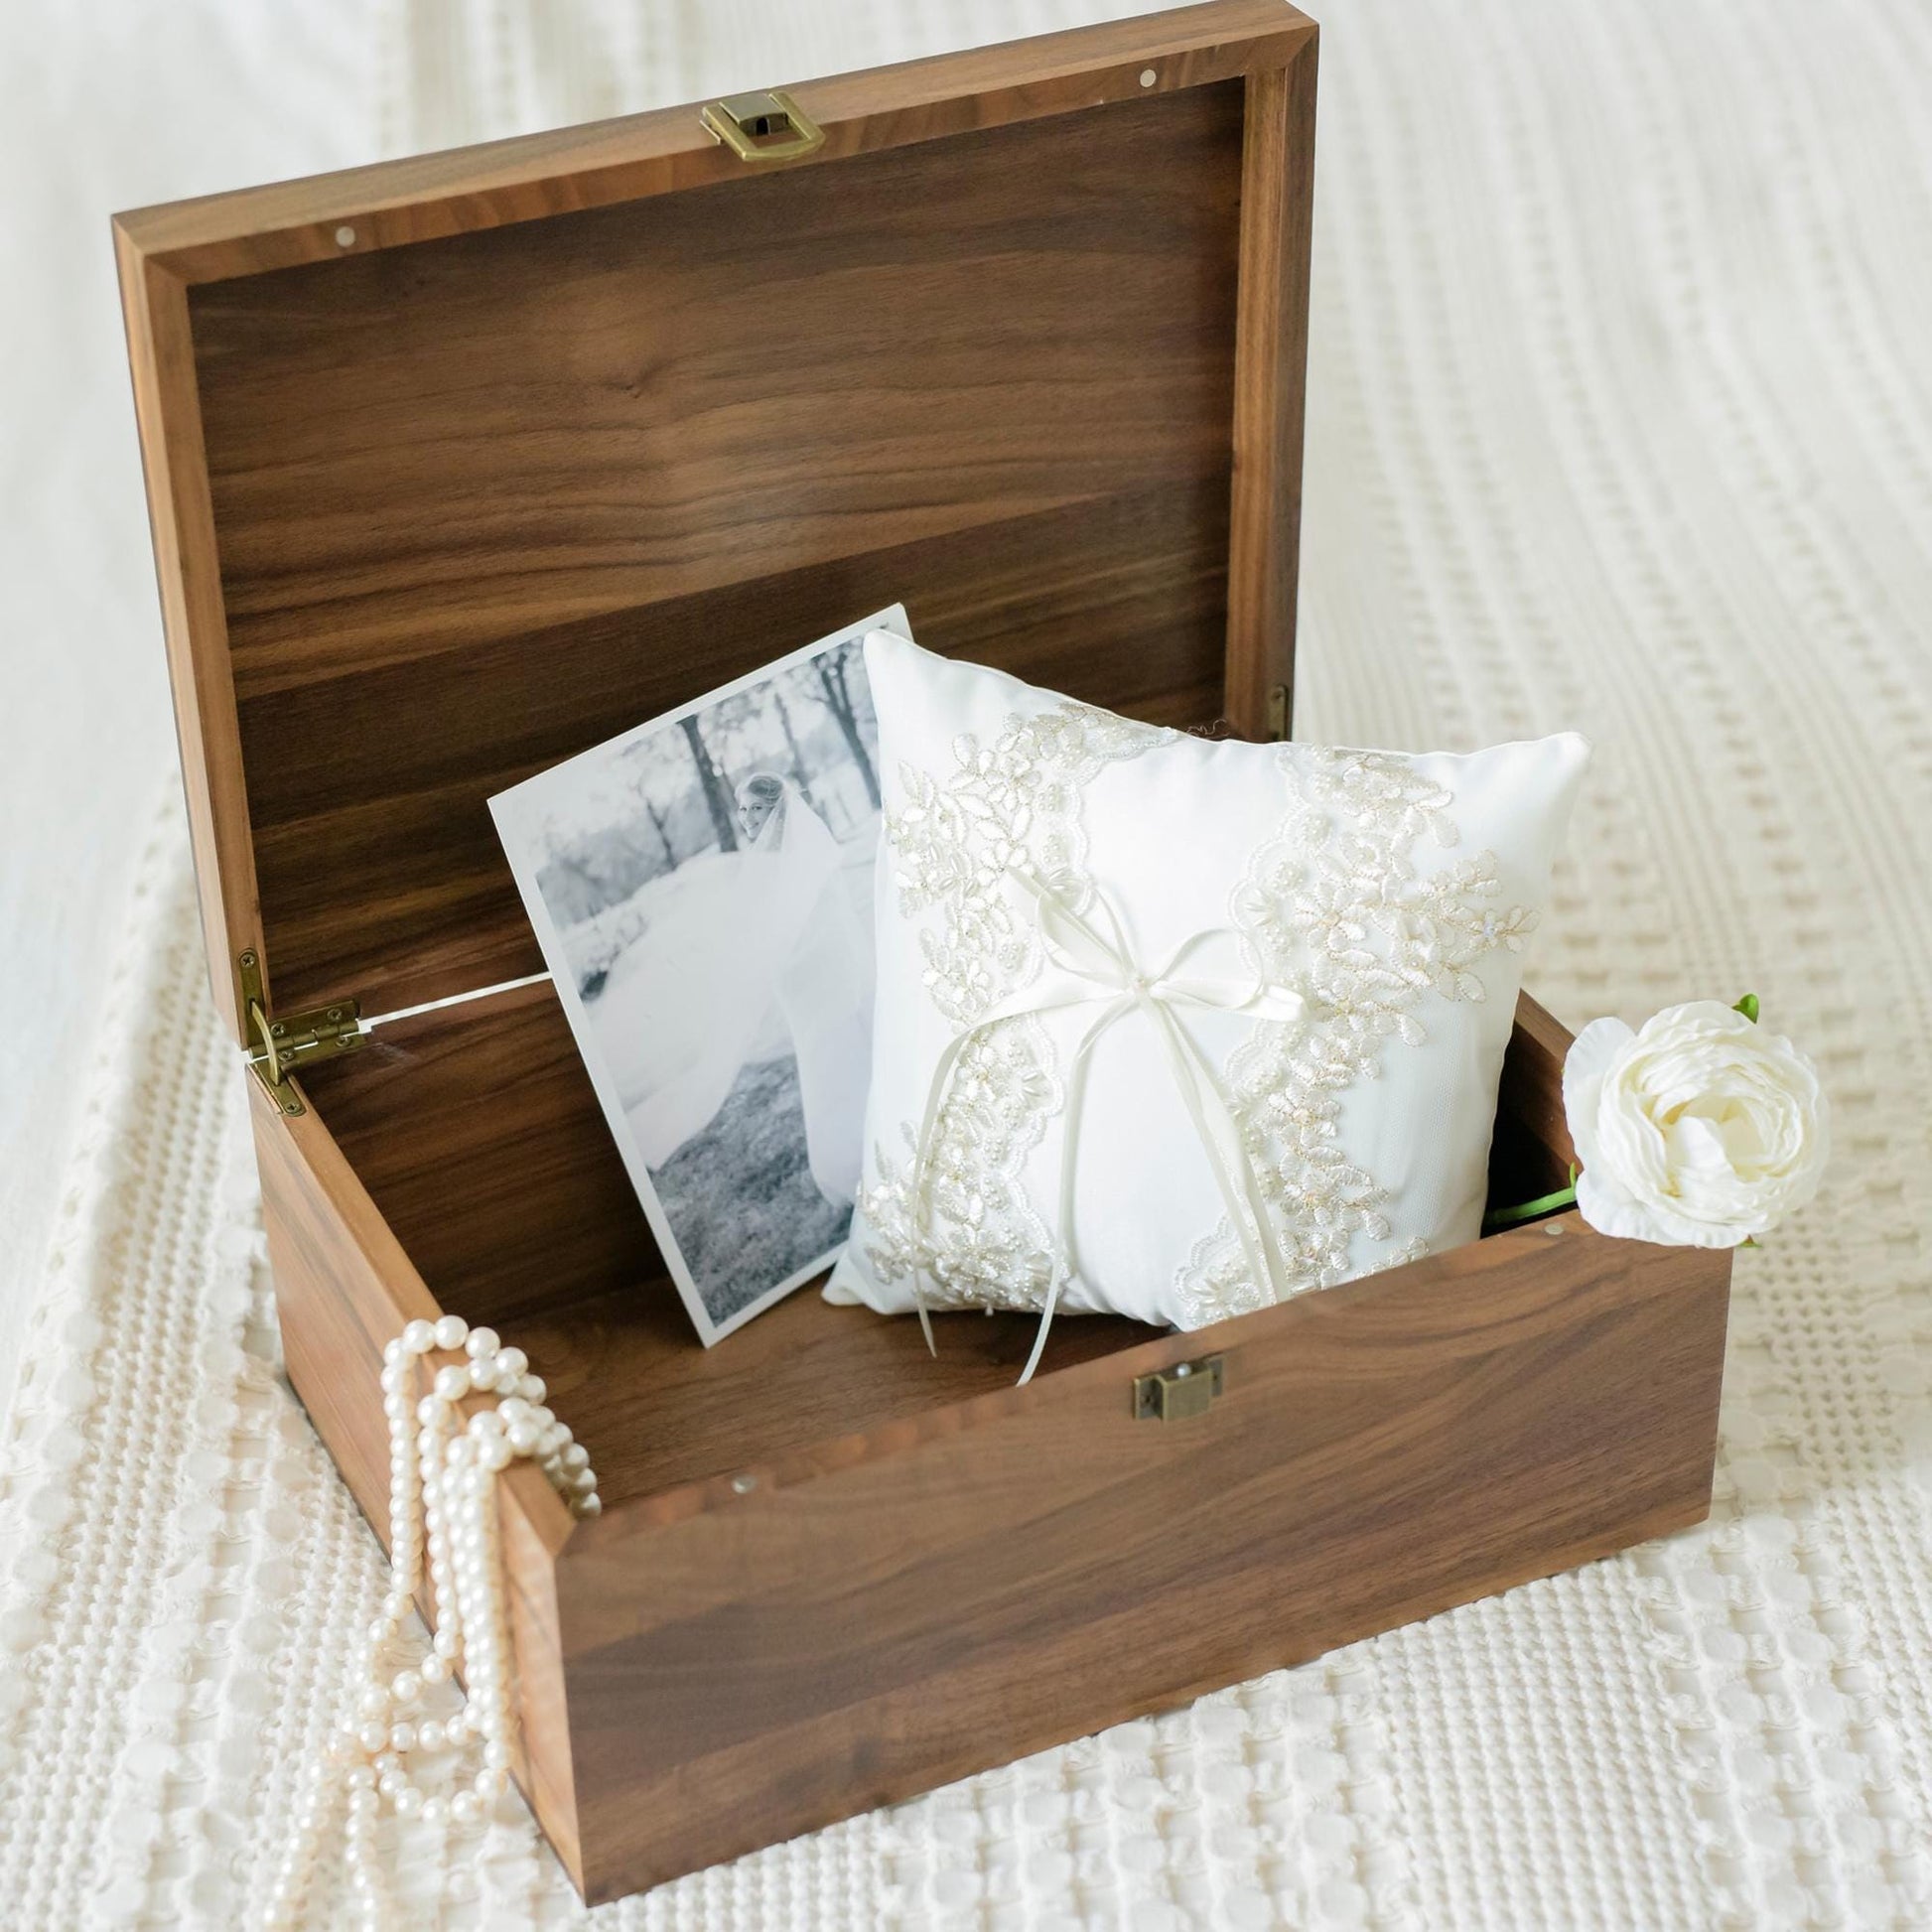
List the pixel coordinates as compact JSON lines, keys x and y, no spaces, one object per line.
{"x":702,"y":890}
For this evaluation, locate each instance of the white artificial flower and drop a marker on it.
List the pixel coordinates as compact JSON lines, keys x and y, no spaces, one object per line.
{"x":1701,"y":1129}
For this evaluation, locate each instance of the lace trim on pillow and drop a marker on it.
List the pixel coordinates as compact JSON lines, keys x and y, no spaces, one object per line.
{"x":1335,"y":907}
{"x":953,"y":842}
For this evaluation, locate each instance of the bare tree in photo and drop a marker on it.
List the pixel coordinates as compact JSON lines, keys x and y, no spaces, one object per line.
{"x":716,"y":797}
{"x":838,"y":700}
{"x":798,"y":771}
{"x":659,"y":826}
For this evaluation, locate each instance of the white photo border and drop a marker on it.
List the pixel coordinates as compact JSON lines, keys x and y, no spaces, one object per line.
{"x":508,"y":809}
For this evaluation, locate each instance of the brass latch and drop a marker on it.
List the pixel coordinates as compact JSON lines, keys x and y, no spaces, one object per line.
{"x":285,"y":1044}
{"x":769,"y":126}
{"x":1169,"y":1394}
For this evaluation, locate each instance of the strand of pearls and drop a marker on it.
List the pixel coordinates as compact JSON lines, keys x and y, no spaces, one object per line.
{"x":442,"y":1508}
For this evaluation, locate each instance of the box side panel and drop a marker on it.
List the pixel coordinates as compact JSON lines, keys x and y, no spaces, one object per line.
{"x":342,"y":1288}
{"x":160,"y":347}
{"x":1269,"y":391}
{"x":1027,"y":1570}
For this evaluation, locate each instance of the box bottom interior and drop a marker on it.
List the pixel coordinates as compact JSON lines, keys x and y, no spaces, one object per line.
{"x":476,"y":1134}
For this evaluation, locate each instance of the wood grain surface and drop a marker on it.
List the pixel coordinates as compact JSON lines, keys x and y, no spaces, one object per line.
{"x":834,"y":1571}
{"x":344,"y":1288}
{"x":549,"y":449}
{"x":427,"y":196}
{"x":1270,"y":385}
{"x":843,"y":1627}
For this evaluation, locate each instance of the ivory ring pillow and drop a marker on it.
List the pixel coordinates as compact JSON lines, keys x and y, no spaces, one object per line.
{"x":1174,"y":1028}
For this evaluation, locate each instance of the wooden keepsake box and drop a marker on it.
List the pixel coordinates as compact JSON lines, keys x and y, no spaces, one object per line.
{"x":460,"y":464}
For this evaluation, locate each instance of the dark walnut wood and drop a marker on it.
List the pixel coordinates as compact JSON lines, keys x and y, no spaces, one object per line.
{"x":433,"y":516}
{"x":930,"y":1570}
{"x":460,"y":465}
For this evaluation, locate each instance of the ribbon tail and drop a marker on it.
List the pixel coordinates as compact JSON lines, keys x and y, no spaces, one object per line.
{"x":923,"y":1154}
{"x":1046,"y":1326}
{"x":1064,"y":1262}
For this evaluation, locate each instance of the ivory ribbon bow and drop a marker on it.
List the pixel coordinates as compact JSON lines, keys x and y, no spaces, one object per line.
{"x":1091,"y":967}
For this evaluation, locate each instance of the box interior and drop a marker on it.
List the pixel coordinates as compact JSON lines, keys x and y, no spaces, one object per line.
{"x":478,"y":1134}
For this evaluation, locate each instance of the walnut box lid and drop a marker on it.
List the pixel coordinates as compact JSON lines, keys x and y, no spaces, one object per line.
{"x":458,"y":465}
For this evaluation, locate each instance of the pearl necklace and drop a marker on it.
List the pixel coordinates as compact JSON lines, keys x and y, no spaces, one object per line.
{"x":442,"y":1501}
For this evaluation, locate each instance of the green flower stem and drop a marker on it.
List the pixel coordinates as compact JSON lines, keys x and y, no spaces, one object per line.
{"x":1509,"y":1218}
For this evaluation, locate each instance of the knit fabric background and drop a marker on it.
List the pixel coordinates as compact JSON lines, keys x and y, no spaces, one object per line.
{"x":1620,"y":417}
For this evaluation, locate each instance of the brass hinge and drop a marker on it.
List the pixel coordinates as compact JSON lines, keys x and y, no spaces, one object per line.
{"x":1169,"y":1394}
{"x":1276,"y":713}
{"x":280,"y":1045}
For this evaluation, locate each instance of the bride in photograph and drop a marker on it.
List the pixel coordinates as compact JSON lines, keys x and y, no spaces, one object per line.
{"x":751,"y":955}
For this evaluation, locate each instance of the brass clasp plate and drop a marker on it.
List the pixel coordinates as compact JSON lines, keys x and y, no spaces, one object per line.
{"x":1186,"y":1389}
{"x":769,"y":126}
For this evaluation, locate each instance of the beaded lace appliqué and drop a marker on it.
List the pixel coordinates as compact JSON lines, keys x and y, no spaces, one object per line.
{"x":1336,"y":906}
{"x":1013,"y":802}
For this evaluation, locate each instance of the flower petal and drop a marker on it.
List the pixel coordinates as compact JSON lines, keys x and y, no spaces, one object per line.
{"x":1591,"y":1057}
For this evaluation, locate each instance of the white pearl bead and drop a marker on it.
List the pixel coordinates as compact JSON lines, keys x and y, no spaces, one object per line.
{"x":392,"y":1352}
{"x":402,"y":1738}
{"x":373,"y":1735}
{"x":482,"y":1342}
{"x":430,"y":1735}
{"x":452,"y":1332}
{"x":373,"y":1703}
{"x":419,"y":1337}
{"x":408,"y":1801}
{"x":452,"y":1383}
{"x":435,"y":1810}
{"x":406,"y":1687}
{"x":466,"y":1807}
{"x":511,"y":1362}
{"x":435,"y":1668}
{"x":532,"y":1388}
{"x":523,"y":1438}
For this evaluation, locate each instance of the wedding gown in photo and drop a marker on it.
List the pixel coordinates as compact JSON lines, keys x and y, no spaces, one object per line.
{"x":749,"y":955}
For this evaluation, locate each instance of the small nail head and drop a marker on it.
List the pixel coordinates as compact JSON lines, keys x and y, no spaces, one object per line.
{"x":344,"y":237}
{"x":1553,"y":1228}
{"x":744,"y":1485}
{"x":1148,"y":77}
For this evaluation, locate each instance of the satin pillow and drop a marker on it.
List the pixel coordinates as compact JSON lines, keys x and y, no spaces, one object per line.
{"x":1176,"y":1027}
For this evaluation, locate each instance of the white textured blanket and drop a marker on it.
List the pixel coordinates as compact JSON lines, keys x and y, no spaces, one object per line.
{"x":1622,"y":417}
